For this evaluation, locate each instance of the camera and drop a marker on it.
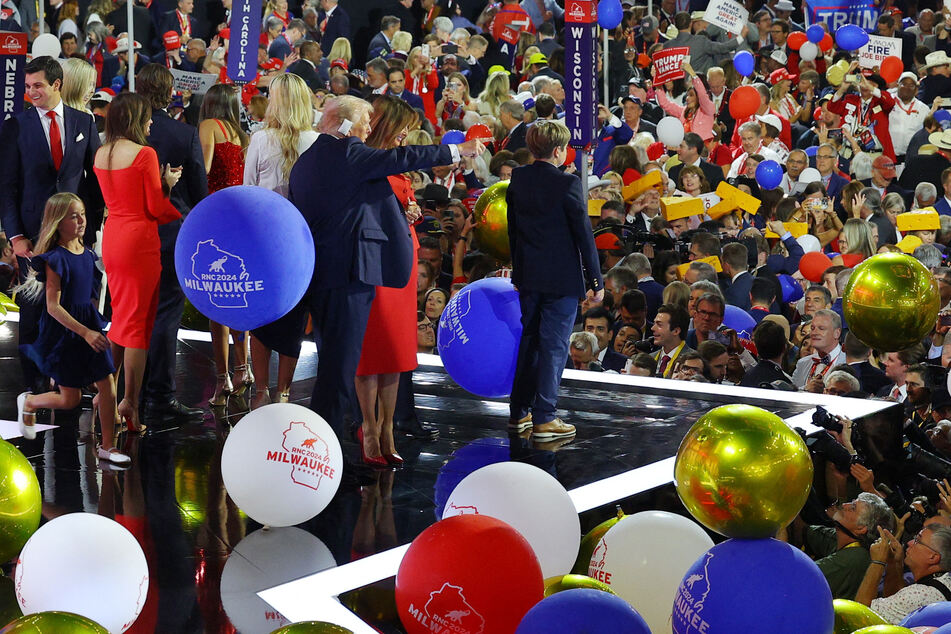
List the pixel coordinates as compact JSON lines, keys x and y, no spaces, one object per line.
{"x":822,"y":418}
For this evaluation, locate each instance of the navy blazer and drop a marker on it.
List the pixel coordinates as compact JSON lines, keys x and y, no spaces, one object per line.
{"x":654,"y":293}
{"x":338,"y":25}
{"x":549,"y":233}
{"x":341,"y":188}
{"x":942,"y":207}
{"x":414,"y":100}
{"x":308,"y":72}
{"x":738,"y":293}
{"x":28,"y":177}
{"x":379,"y":47}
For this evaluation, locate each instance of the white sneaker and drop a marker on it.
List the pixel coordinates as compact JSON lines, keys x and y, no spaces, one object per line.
{"x":27,"y":431}
{"x":113,"y":455}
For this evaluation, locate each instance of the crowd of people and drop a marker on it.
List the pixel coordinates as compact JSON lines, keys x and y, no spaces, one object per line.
{"x":385,"y":150}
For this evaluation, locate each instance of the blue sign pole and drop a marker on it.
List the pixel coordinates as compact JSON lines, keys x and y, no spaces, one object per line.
{"x":243,"y":47}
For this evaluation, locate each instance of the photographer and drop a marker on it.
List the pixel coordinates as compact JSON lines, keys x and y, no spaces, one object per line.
{"x":865,"y":110}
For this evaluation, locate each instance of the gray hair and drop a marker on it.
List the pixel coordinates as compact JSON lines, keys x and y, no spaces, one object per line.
{"x":841,"y":280}
{"x":752,"y":126}
{"x":873,"y":199}
{"x":928,"y":255}
{"x":443,"y":24}
{"x":343,"y":107}
{"x":273,"y":23}
{"x":941,"y":542}
{"x":706,"y":286}
{"x":876,"y":514}
{"x":540,"y":84}
{"x":713,"y":298}
{"x":831,"y":314}
{"x":704,"y":271}
{"x":582,"y":340}
{"x":841,"y":375}
{"x":623,"y":276}
{"x":894,"y":202}
{"x":927,"y":191}
{"x":513,"y":108}
{"x":638,"y":263}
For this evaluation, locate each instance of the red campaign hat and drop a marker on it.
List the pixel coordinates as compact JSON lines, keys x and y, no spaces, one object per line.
{"x":479,"y":131}
{"x":225,"y":34}
{"x":607,"y":241}
{"x":570,"y":155}
{"x":779,"y":75}
{"x":339,"y":63}
{"x":470,"y":203}
{"x":272,"y":64}
{"x":655,"y":150}
{"x":172,"y":41}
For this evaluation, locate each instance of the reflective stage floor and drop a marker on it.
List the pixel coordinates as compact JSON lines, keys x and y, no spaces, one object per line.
{"x":208,"y":561}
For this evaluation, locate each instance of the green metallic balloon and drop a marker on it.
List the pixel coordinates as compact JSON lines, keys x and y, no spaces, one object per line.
{"x":54,"y":623}
{"x":891,"y":302}
{"x":590,"y":541}
{"x":560,"y":583}
{"x":492,"y":222}
{"x":742,"y":472}
{"x":851,"y":616}
{"x":884,"y":629}
{"x":312,"y":627}
{"x":20,"y":501}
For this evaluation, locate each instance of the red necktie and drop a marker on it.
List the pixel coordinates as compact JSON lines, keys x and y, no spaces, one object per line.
{"x":896,"y":393}
{"x":56,"y":144}
{"x":663,"y":365}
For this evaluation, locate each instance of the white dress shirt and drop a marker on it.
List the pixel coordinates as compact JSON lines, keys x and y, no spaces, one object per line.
{"x":45,"y":120}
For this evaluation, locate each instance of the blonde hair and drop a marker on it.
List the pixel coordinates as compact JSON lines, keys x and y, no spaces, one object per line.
{"x":402,"y":41}
{"x":289,"y":112}
{"x":340,"y":108}
{"x":79,"y":83}
{"x":527,"y":55}
{"x":418,"y":137}
{"x":678,"y":293}
{"x":57,"y":208}
{"x":858,"y":235}
{"x":545,"y":137}
{"x":341,"y":50}
{"x":415,"y":68}
{"x":496,"y":91}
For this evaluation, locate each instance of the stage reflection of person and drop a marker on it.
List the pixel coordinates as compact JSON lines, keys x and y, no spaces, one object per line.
{"x":375,"y":530}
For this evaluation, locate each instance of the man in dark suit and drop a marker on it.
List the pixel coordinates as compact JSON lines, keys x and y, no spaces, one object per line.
{"x":689,"y":153}
{"x":510,"y":115}
{"x":547,"y":214}
{"x":283,"y":44}
{"x":928,"y":168}
{"x":598,"y":322}
{"x":735,"y":261}
{"x":340,"y":187}
{"x":45,"y":150}
{"x":176,"y":144}
{"x":381,"y":44}
{"x":653,"y":290}
{"x":396,"y":87}
{"x":334,"y":22}
{"x":141,"y":20}
{"x":871,"y":379}
{"x":181,"y":21}
{"x":306,"y":66}
{"x":770,"y":340}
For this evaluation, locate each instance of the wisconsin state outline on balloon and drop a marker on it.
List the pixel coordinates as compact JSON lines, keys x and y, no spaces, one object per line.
{"x":448,"y":611}
{"x":307,"y":454}
{"x":222,"y":275}
{"x":688,"y":605}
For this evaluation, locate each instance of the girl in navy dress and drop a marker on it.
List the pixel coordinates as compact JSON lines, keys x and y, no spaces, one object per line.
{"x":70,"y":347}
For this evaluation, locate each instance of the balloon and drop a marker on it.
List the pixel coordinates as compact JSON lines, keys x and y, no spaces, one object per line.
{"x":810,"y":174}
{"x":758,"y":585}
{"x":590,"y":541}
{"x":891,"y":301}
{"x":792,"y":290}
{"x":643,"y":559}
{"x":850,"y":616}
{"x":891,"y":69}
{"x":22,"y":502}
{"x":744,"y":63}
{"x":769,"y":174}
{"x":54,"y":623}
{"x":813,"y":265}
{"x":46,"y":44}
{"x":670,"y":131}
{"x":492,"y":222}
{"x":570,"y":155}
{"x":265,"y":559}
{"x":935,"y":614}
{"x":850,"y":37}
{"x":812,"y":149}
{"x":796,"y":39}
{"x":312,"y":627}
{"x":739,"y":320}
{"x":538,"y":508}
{"x":449,"y":579}
{"x":809,"y":51}
{"x":465,"y":460}
{"x":815,"y":33}
{"x":826,"y":44}
{"x":941,"y":116}
{"x":883,"y":629}
{"x":479,"y":332}
{"x":742,"y":472}
{"x":610,"y":14}
{"x":75,"y":560}
{"x":479,"y":131}
{"x":744,"y":102}
{"x":931,"y":630}
{"x":282,"y":465}
{"x":223,"y":268}
{"x":560,"y":583}
{"x":452,"y":137}
{"x":582,"y":610}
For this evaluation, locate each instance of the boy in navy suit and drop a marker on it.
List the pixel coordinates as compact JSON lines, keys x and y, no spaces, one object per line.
{"x":547,"y":214}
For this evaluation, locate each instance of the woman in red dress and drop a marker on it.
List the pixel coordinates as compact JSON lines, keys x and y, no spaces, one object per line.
{"x":389,"y":346}
{"x":423,"y":80}
{"x":136,"y":196}
{"x":223,"y":143}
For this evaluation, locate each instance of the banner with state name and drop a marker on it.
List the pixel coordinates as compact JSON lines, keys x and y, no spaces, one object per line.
{"x":836,"y":13}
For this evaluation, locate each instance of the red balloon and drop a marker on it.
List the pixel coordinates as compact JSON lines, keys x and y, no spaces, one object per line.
{"x":744,"y":102}
{"x":891,"y":69}
{"x":826,"y":43}
{"x":569,"y":156}
{"x":813,"y":265}
{"x":796,"y":39}
{"x":479,"y":131}
{"x":467,"y":574}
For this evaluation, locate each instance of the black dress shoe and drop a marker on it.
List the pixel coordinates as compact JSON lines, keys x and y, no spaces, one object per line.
{"x":415,"y":429}
{"x":173,"y":408}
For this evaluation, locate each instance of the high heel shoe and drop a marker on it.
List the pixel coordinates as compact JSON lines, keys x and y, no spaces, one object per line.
{"x":223,"y":390}
{"x":247,"y":379}
{"x":261,"y":398}
{"x":394,"y":458}
{"x":284,"y":397}
{"x":373,"y":461}
{"x":130,"y":416}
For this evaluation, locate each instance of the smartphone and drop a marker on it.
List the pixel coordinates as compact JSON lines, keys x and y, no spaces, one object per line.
{"x":852,"y":79}
{"x":450,"y":48}
{"x":425,"y":50}
{"x":835,"y":133}
{"x":944,"y":320}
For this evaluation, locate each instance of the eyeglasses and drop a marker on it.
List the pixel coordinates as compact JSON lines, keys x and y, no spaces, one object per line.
{"x":824,"y":156}
{"x":708,"y":314}
{"x":918,"y":541}
{"x":424,"y":325}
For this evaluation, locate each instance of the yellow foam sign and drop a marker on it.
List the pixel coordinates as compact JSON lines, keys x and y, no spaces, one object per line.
{"x":595,"y":205}
{"x":721,"y":209}
{"x":795,"y":228}
{"x":642,"y":184}
{"x":740,"y":198}
{"x":713,"y":261}
{"x":676,"y":207}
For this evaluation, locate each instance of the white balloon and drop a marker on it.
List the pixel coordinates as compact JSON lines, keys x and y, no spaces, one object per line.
{"x":262,"y":560}
{"x":809,"y":243}
{"x":282,"y":464}
{"x":670,"y":131}
{"x":809,"y":51}
{"x":532,"y":502}
{"x":809,"y":175}
{"x":86,"y":564}
{"x":644,"y":558}
{"x":46,"y":44}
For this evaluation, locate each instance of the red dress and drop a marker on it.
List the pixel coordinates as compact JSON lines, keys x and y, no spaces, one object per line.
{"x":389,"y":345}
{"x":131,"y":246}
{"x":227,"y":164}
{"x":425,"y":87}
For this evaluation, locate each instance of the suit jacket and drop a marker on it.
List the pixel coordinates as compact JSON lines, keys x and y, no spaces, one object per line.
{"x":28,"y":177}
{"x":942,"y":206}
{"x":738,"y":293}
{"x":412,"y":99}
{"x":764,"y":372}
{"x":895,"y":188}
{"x":516,"y":138}
{"x":547,"y":214}
{"x":170,"y":23}
{"x":886,"y":230}
{"x":612,"y":360}
{"x":141,"y":20}
{"x":341,"y":188}
{"x":379,"y":47}
{"x":836,"y":183}
{"x":924,"y":168}
{"x":704,"y":52}
{"x":306,"y":71}
{"x":870,"y":378}
{"x":654,"y":292}
{"x":338,"y":25}
{"x":713,"y":173}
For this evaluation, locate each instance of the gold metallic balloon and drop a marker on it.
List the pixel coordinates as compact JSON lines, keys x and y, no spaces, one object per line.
{"x":851,"y":616}
{"x":9,"y":608}
{"x":312,"y":627}
{"x":742,"y":472}
{"x":590,"y":541}
{"x":884,"y":629}
{"x":492,"y":222}
{"x":54,"y":623}
{"x":20,"y":501}
{"x":561,"y":583}
{"x":891,"y":302}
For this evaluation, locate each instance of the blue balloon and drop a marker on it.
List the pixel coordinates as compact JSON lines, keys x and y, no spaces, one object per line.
{"x":744,"y":63}
{"x":753,"y":585}
{"x":792,"y":290}
{"x":943,"y":117}
{"x":850,"y":37}
{"x":463,"y":461}
{"x":610,"y":14}
{"x":811,"y":150}
{"x":479,"y":332}
{"x":739,"y":320}
{"x":769,"y":174}
{"x":934,"y":615}
{"x":815,"y":33}
{"x":453,"y":137}
{"x":582,"y":610}
{"x":224,"y":267}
